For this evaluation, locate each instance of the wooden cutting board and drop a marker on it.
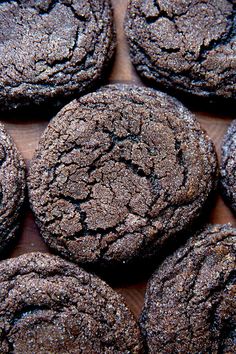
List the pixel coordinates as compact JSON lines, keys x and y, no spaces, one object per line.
{"x":26,"y":131}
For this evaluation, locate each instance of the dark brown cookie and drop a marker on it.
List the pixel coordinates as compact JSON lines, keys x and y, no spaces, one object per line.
{"x":12,"y":188}
{"x":190,"y":303}
{"x":52,"y":49}
{"x":48,"y":305}
{"x":118,"y":172}
{"x":187,"y":45}
{"x":228,"y":166}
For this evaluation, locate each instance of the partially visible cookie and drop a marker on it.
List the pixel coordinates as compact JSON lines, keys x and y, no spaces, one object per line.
{"x":190,"y":303}
{"x":12,"y":188}
{"x":228,"y":166}
{"x":119,"y":172}
{"x":51,"y":50}
{"x":185,"y":45}
{"x":51,"y":306}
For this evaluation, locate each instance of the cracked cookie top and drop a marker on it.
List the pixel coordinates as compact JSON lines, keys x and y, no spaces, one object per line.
{"x":117,"y":172}
{"x":12,"y":188}
{"x":190,"y":303}
{"x":52,"y":49}
{"x":48,"y":305}
{"x":228,"y":166}
{"x":187,"y":45}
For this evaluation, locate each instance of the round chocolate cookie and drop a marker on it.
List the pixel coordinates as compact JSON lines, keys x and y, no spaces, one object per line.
{"x":12,"y":188}
{"x":52,"y":49}
{"x":228,"y":166}
{"x":48,"y":305}
{"x":118,"y":172}
{"x":190,"y":303}
{"x":187,"y":45}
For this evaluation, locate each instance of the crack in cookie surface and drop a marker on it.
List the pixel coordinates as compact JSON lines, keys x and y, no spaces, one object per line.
{"x":116,"y":171}
{"x":52,"y":48}
{"x":12,"y":188}
{"x":190,"y":300}
{"x":49,"y":306}
{"x":185,"y":45}
{"x":228,"y":166}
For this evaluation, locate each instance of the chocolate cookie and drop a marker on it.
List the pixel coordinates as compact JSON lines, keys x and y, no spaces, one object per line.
{"x":228,"y":166}
{"x":12,"y":188}
{"x":52,"y":49}
{"x":187,"y":45}
{"x":190,"y":303}
{"x":48,"y":305}
{"x":118,"y":172}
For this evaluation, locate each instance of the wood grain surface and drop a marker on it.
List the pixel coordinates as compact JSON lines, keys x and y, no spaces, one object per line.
{"x":26,"y":131}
